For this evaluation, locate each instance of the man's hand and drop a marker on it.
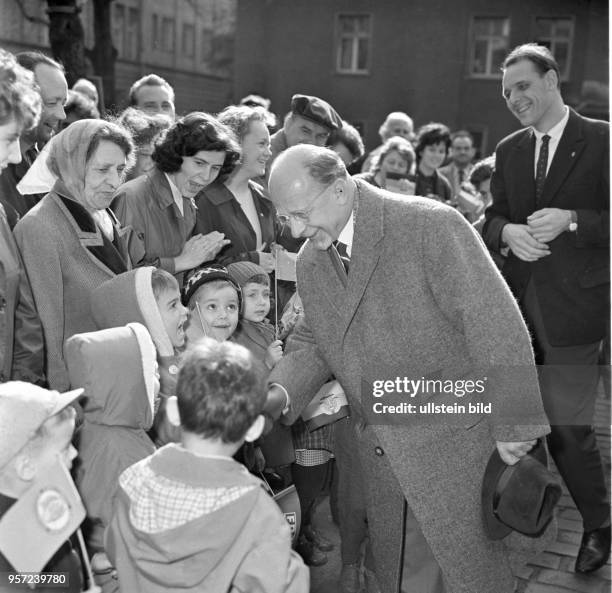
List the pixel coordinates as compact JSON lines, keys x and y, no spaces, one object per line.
{"x":547,"y":224}
{"x":512,"y":452}
{"x":273,"y":354}
{"x":522,"y":244}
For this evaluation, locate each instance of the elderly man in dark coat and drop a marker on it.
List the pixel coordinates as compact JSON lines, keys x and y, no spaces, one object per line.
{"x":422,"y":299}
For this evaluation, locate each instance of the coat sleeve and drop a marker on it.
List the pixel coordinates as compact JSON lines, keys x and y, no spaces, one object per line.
{"x":474,"y":298}
{"x":28,"y":349}
{"x":497,"y":215}
{"x":43,"y":267}
{"x":301,"y":371}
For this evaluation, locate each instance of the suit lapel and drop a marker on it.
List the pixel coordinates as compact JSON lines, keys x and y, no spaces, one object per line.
{"x":366,"y":250}
{"x":524,"y":155}
{"x":571,"y":144}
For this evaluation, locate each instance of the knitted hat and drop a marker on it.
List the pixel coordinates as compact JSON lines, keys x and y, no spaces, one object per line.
{"x":203,"y":275}
{"x":243,"y":271}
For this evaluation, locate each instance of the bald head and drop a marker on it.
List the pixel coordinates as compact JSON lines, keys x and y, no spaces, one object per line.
{"x":310,"y":187}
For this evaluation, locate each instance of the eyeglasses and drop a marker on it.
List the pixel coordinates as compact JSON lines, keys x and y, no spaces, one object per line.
{"x":304,"y":215}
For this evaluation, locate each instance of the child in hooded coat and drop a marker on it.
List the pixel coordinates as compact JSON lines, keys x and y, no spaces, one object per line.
{"x":149,"y":296}
{"x":117,"y":369}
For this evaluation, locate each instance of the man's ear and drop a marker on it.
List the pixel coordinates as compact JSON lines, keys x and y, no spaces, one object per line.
{"x":172,"y":411}
{"x":340,"y":191}
{"x":255,"y":429}
{"x":25,"y":467}
{"x":551,"y":79}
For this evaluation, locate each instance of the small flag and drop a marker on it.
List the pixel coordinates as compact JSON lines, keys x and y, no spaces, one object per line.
{"x":327,"y":406}
{"x":285,"y":265}
{"x":45,"y":516}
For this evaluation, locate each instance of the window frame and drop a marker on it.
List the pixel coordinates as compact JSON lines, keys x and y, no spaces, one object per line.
{"x":565,"y":76}
{"x":493,"y":74}
{"x":338,"y":45}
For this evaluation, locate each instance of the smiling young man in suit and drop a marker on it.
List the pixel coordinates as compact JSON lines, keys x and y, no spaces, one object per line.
{"x":412,"y":304}
{"x":551,"y":196}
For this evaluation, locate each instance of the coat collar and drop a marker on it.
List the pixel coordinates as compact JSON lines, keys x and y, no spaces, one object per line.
{"x":161,"y":191}
{"x":571,"y":144}
{"x":369,"y":231}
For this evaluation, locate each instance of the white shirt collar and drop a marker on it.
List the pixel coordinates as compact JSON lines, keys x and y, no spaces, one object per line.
{"x":556,"y":131}
{"x":346,"y":235}
{"x":176,"y":194}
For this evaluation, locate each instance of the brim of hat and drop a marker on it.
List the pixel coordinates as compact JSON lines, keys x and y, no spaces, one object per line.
{"x":65,"y":399}
{"x":493,"y":527}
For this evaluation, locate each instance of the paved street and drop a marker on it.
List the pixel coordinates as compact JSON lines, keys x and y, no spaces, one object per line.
{"x":550,"y":572}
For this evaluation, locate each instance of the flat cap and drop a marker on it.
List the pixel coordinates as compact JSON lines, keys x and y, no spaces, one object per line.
{"x":316,"y":110}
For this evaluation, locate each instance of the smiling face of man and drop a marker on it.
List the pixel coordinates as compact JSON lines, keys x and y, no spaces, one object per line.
{"x":530,"y":95}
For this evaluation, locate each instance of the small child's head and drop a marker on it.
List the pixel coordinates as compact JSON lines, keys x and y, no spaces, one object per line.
{"x":255,"y":286}
{"x":36,"y":425}
{"x":168,"y":299}
{"x":213,"y":299}
{"x":221,"y":393}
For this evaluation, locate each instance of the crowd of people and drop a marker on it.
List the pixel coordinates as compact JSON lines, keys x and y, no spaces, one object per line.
{"x":146,"y":326}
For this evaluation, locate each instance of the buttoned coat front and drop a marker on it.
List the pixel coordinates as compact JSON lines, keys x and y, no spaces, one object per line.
{"x":423,"y":299}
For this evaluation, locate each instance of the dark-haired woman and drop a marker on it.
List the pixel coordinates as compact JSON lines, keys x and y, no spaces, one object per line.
{"x":432,"y":144}
{"x":70,"y":241}
{"x":159,"y":205}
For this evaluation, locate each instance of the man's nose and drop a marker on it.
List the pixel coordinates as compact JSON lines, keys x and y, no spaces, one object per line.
{"x":59,"y":113}
{"x":297,"y":228}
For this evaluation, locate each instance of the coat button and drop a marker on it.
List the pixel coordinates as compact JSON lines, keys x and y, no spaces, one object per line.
{"x":379,"y":451}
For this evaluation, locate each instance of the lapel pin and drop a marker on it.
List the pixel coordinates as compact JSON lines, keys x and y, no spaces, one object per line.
{"x":573,"y":154}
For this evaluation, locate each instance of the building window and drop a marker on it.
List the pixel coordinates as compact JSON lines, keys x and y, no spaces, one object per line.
{"x":206,"y":46}
{"x":354,"y":38}
{"x":557,"y":34}
{"x":155,"y":34}
{"x":489,"y":46}
{"x":132,"y":34}
{"x":167,"y":35}
{"x":188,"y":41}
{"x":118,"y":27}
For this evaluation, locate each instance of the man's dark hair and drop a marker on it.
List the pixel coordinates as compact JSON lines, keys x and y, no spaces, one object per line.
{"x":149,"y":80}
{"x":220,"y":391}
{"x":189,"y":135}
{"x":482,"y":170}
{"x":539,"y":55}
{"x":429,"y":134}
{"x":31,"y":59}
{"x":350,"y":137}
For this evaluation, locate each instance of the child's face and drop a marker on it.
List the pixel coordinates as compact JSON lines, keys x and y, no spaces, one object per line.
{"x":173,"y":314}
{"x":256,"y":299}
{"x":57,"y":441}
{"x":213,"y":312}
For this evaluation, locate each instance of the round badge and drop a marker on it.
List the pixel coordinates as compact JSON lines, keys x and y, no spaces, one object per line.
{"x":331,"y":405}
{"x":53,"y":510}
{"x":173,"y":369}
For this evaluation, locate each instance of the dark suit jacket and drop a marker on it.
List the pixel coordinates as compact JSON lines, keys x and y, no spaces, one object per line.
{"x":423,"y":299}
{"x":573,"y":282}
{"x":218,"y":210}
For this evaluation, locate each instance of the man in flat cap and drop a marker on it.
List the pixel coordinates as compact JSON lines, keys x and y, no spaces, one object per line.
{"x":310,"y":121}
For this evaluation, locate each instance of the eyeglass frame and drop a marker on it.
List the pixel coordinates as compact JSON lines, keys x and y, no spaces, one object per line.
{"x":302,"y":217}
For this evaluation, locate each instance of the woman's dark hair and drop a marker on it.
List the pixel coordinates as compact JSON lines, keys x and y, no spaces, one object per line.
{"x":19,"y":97}
{"x":394,"y":144}
{"x":189,"y":135}
{"x":115,"y":134}
{"x":482,"y":170}
{"x":350,"y":137}
{"x":429,"y":134}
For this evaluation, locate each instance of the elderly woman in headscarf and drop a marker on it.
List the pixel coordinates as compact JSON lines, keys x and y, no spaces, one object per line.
{"x":71,"y":241}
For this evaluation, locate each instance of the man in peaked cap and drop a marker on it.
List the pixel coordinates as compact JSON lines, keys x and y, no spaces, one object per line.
{"x":310,"y":121}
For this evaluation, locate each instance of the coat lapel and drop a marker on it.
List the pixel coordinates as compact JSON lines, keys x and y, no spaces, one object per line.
{"x":571,"y":144}
{"x":524,"y":155}
{"x":366,"y":250}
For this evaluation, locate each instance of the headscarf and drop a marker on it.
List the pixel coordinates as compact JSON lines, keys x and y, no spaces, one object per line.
{"x":67,"y":156}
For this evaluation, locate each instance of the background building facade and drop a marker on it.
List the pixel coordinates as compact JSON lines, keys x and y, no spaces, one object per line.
{"x":437,"y":60}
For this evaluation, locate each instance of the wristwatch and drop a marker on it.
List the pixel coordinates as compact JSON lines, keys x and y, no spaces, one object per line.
{"x":573,"y":223}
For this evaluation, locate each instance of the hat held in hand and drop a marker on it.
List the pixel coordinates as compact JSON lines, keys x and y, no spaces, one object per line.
{"x":519,"y":497}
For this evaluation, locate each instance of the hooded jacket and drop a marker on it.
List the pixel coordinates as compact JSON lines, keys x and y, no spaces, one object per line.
{"x":116,"y":367}
{"x":128,"y":298}
{"x":190,"y":523}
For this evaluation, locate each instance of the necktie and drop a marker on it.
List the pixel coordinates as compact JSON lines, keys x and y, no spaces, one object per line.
{"x":339,"y":264}
{"x":461,"y":176}
{"x":541,"y":167}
